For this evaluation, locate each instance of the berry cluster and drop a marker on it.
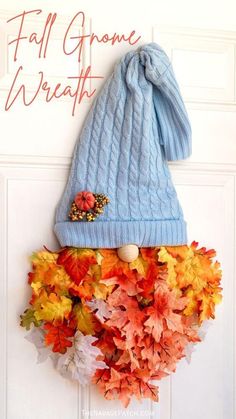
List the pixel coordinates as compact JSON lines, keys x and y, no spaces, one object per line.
{"x":77,"y":211}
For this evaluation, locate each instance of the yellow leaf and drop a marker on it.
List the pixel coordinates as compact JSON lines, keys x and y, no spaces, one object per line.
{"x":53,"y":308}
{"x":192,"y":272}
{"x":57,"y":278}
{"x":84,"y":319}
{"x":37,"y":286}
{"x":43,"y":257}
{"x":99,"y":257}
{"x":99,"y":290}
{"x":140,"y":265}
{"x":165,"y":257}
{"x":192,"y":304}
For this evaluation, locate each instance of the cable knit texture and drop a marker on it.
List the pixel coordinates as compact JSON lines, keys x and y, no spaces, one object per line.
{"x":135,"y":125}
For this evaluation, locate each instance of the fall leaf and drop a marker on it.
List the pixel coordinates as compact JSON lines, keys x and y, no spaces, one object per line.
{"x":129,"y":284}
{"x":178,"y":252}
{"x":28,"y":318}
{"x":149,"y":391}
{"x":58,"y":280}
{"x":52,"y":307}
{"x":207,"y":305}
{"x":128,"y":321}
{"x":100,"y":290}
{"x":149,"y":254}
{"x":162,"y":312}
{"x":100,"y":308}
{"x":37,"y":337}
{"x":58,"y":337}
{"x":80,"y":362}
{"x":76,"y":262}
{"x":83,"y":319}
{"x":112,"y":265}
{"x":40,"y":258}
{"x":140,"y":265}
{"x":106,"y":339}
{"x":121,"y":325}
{"x":147,"y":285}
{"x":47,"y":274}
{"x":165,"y":257}
{"x":154,"y":323}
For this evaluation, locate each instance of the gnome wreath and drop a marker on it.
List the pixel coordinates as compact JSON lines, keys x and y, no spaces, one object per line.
{"x":125,"y":297}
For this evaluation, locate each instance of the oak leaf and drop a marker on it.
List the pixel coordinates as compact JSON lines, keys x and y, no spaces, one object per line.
{"x":51,"y":307}
{"x":58,"y":337}
{"x":80,"y":361}
{"x":28,"y":318}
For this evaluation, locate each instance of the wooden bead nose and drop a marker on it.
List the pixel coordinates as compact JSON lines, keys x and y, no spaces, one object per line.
{"x":128,"y":253}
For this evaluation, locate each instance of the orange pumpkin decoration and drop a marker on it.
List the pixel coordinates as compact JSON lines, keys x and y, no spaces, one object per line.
{"x":85,"y":200}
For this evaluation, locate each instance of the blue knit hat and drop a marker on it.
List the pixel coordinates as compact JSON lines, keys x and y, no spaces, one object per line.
{"x":136,"y":123}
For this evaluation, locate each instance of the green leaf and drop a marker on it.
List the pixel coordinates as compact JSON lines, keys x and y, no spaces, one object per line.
{"x":28,"y":318}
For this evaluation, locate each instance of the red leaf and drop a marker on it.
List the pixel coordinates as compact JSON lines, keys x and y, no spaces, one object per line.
{"x":58,"y":337}
{"x":76,"y":262}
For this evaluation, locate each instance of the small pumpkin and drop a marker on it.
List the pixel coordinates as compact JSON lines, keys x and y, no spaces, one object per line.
{"x":85,"y":200}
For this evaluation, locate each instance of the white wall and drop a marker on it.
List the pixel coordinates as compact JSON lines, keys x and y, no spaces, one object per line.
{"x":36,"y":144}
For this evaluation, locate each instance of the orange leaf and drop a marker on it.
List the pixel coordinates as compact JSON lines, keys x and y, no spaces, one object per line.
{"x":76,"y":262}
{"x":178,"y":251}
{"x":129,"y":284}
{"x":149,"y":391}
{"x":58,"y":337}
{"x":149,"y":254}
{"x":112,"y":265}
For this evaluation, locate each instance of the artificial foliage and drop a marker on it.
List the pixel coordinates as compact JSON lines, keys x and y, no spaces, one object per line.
{"x":122,"y":326}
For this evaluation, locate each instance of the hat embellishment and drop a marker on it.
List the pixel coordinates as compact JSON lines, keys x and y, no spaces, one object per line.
{"x":87,"y":206}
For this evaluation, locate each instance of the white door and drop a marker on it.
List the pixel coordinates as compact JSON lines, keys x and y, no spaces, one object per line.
{"x":36,"y":144}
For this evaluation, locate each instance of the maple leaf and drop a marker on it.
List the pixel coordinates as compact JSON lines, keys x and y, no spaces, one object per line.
{"x":58,"y":337}
{"x":101,"y":309}
{"x":154,"y":324}
{"x":106,"y":341}
{"x":83,"y":319}
{"x":112,"y":265}
{"x":128,"y":321}
{"x":148,"y":284}
{"x":128,"y":354}
{"x":84,"y":289}
{"x":51,"y":307}
{"x":171,"y":348}
{"x":118,"y":383}
{"x":162,"y":311}
{"x":76,"y":262}
{"x":149,"y":391}
{"x":80,"y":362}
{"x":129,"y":284}
{"x":28,"y":318}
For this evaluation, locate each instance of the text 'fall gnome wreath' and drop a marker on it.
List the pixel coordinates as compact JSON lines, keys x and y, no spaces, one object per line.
{"x":125,"y":297}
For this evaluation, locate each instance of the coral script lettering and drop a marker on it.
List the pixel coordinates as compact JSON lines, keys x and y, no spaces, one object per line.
{"x":41,"y":41}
